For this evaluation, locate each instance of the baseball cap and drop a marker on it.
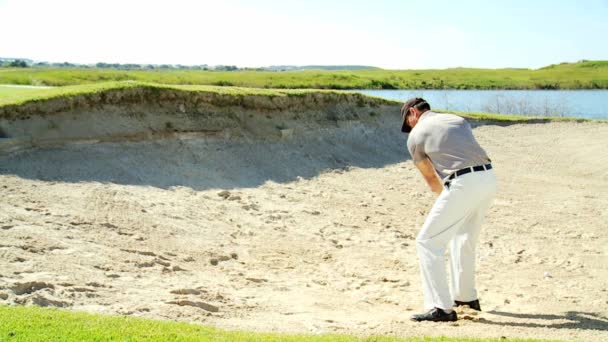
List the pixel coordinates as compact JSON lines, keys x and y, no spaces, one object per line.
{"x":416,"y":101}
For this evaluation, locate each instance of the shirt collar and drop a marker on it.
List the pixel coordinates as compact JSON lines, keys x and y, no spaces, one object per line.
{"x":422,"y":117}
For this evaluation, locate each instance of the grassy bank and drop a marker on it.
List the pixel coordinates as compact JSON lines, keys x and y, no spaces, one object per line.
{"x":17,"y":99}
{"x":18,"y":95}
{"x":22,"y":103}
{"x":582,"y":75}
{"x":39,"y":324}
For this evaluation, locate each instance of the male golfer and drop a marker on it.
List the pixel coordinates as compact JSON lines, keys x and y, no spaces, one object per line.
{"x":453,"y":164}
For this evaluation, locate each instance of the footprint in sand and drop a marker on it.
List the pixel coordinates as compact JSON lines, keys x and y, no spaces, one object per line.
{"x":95,"y":284}
{"x":30,"y":287}
{"x":145,"y":264}
{"x":202,"y":305}
{"x":176,"y":268}
{"x":142,"y":253}
{"x":83,"y":291}
{"x":43,"y":301}
{"x":186,"y":292}
{"x":29,"y":291}
{"x":80,"y":289}
{"x":215,"y":261}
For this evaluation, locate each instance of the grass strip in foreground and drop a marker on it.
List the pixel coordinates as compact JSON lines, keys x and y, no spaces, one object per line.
{"x":19,"y":323}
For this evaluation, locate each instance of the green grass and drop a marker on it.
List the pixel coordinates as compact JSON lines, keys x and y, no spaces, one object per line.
{"x":582,"y":75}
{"x":480,"y":116}
{"x":16,"y":95}
{"x":12,"y":94}
{"x":39,"y":324}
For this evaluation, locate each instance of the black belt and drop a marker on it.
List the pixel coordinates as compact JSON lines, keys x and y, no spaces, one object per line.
{"x":467,"y":170}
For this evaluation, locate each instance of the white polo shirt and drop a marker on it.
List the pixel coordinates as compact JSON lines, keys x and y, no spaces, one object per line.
{"x":447,"y":140}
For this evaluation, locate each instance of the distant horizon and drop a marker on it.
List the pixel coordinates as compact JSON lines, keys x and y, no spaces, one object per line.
{"x":310,"y":66}
{"x":388,"y":34}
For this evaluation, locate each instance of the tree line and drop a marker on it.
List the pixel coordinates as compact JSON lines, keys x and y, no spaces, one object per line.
{"x":20,"y":63}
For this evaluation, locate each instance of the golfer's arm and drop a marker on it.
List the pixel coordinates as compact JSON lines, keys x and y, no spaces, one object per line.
{"x":430,"y":176}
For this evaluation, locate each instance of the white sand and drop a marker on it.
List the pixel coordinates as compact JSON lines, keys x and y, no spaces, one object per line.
{"x":310,"y":234}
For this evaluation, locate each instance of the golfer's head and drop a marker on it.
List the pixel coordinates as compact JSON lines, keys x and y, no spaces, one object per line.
{"x":411,"y":110}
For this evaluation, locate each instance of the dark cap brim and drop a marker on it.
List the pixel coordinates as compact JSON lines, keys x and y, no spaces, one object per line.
{"x":405,"y":128}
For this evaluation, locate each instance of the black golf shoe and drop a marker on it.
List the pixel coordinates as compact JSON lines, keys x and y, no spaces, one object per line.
{"x":436,"y":315}
{"x":472,"y":304}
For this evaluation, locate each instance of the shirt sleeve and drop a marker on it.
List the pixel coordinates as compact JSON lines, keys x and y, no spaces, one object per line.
{"x":416,"y":149}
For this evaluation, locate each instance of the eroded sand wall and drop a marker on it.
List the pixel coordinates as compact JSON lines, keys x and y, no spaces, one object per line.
{"x":147,"y":112}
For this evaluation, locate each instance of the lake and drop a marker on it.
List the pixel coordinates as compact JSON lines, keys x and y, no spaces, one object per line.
{"x":591,"y":104}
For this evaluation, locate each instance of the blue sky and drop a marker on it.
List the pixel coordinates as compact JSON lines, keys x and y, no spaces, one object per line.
{"x":385,"y":33}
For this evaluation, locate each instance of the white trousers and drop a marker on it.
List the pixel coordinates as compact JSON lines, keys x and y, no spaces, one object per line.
{"x":454,"y":220}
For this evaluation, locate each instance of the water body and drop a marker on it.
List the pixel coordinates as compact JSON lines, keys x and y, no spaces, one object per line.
{"x":591,"y":104}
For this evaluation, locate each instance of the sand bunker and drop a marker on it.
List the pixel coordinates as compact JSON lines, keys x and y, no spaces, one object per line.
{"x":307,"y":227}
